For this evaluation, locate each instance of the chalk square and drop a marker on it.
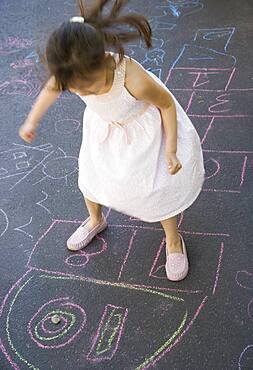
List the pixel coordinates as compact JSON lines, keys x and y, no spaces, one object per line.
{"x":198,"y":79}
{"x":221,"y":103}
{"x":231,"y":134}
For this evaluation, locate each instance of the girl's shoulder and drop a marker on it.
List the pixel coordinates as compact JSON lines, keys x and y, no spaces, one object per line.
{"x":143,"y":86}
{"x":135,"y":75}
{"x":133,"y":68}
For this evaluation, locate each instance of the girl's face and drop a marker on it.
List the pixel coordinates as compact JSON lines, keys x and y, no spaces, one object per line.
{"x":87,"y":87}
{"x":98,"y":80}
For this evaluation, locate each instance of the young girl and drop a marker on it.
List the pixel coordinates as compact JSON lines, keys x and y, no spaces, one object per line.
{"x":140,"y":153}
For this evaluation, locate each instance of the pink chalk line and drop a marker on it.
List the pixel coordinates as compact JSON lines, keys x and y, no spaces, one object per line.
{"x":168,"y":76}
{"x":127,"y":254}
{"x":198,"y":74}
{"x":218,"y":268}
{"x":217,"y":170}
{"x":204,"y":69}
{"x":161,"y":229}
{"x":204,"y":234}
{"x":13,"y":364}
{"x":11,"y":289}
{"x":156,"y":257}
{"x":208,"y":90}
{"x":80,"y":221}
{"x":42,"y":236}
{"x":230,"y":78}
{"x":227,"y":151}
{"x":17,"y":283}
{"x":220,"y":115}
{"x":197,"y":89}
{"x":181,"y":335}
{"x":249,"y":89}
{"x":243,"y":170}
{"x":208,"y":129}
{"x":189,"y":103}
{"x":148,"y":228}
{"x":222,"y":191}
{"x":220,"y":102}
{"x":111,"y":283}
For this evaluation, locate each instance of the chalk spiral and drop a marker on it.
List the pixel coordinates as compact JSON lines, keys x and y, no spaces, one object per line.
{"x":48,"y":335}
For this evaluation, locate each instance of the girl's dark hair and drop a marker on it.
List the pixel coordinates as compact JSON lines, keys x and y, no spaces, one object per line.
{"x":76,"y":50}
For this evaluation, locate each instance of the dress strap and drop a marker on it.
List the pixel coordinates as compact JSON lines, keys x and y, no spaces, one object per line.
{"x":120,"y":72}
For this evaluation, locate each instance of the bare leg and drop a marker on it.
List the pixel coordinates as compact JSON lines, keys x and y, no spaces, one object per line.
{"x":173,"y":241}
{"x":95,"y":212}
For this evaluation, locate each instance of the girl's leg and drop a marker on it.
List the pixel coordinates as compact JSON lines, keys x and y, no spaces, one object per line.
{"x":95,"y":212}
{"x":173,"y":241}
{"x":80,"y":238}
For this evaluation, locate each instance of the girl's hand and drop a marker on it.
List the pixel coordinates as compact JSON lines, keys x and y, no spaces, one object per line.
{"x":173,"y":163}
{"x":28,"y":131}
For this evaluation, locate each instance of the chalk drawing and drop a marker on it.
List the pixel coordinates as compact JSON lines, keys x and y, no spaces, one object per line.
{"x":45,"y":163}
{"x":67,"y":126}
{"x":19,"y":228}
{"x":4,"y":222}
{"x":108,"y":335}
{"x":14,"y":44}
{"x":43,"y":200}
{"x":245,"y":280}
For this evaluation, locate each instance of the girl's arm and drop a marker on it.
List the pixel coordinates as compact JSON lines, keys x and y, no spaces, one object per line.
{"x":46,"y":98}
{"x":143,"y":87}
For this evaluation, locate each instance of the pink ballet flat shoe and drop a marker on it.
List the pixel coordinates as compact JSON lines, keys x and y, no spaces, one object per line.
{"x":177,"y":264}
{"x":82,"y":236}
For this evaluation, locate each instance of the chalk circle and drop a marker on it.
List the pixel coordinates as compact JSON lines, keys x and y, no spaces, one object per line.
{"x":250,"y":309}
{"x":244,"y":279}
{"x":60,"y":167}
{"x":67,"y":126}
{"x":78,"y":259}
{"x":46,"y":334}
{"x":246,"y":358}
{"x":81,"y":258}
{"x":4,"y":222}
{"x":212,"y":168}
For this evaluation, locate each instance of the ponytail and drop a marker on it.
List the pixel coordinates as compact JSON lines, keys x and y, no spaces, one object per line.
{"x":106,"y":24}
{"x":77,"y":47}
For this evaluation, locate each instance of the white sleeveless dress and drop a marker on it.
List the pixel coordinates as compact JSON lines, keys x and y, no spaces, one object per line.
{"x":122,"y":163}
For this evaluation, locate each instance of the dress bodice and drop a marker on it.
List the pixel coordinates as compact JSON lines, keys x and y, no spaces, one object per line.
{"x":117,"y":104}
